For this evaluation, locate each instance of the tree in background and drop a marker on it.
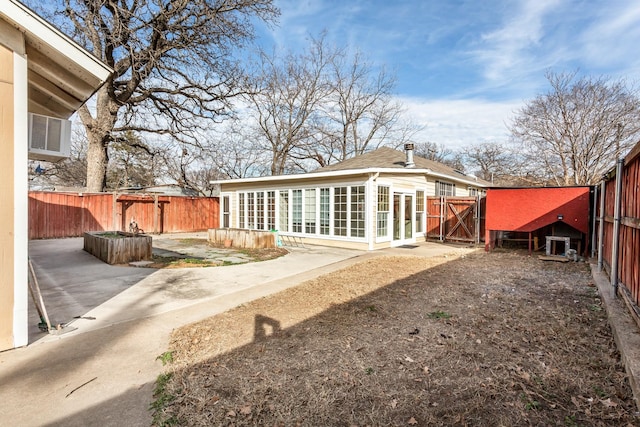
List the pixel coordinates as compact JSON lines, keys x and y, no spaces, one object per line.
{"x":174,"y":70}
{"x":360,"y":113}
{"x":493,"y":162}
{"x":288,"y":92}
{"x":322,"y":106}
{"x":133,"y":163}
{"x":575,"y":132}
{"x":439,"y":153}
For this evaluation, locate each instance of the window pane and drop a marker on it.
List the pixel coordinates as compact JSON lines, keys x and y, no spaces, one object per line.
{"x":357,"y":211}
{"x":271,"y":210}
{"x":251,"y":214}
{"x":296,"y":214}
{"x":226,"y":212}
{"x":260,"y":210}
{"x":241,"y":204}
{"x":382,"y":217}
{"x":419,"y":211}
{"x":340,"y":211}
{"x":325,"y":207}
{"x":284,"y":210}
{"x":310,"y":211}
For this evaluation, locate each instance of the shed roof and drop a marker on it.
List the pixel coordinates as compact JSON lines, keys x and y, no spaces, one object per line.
{"x":389,"y":158}
{"x":382,"y":160}
{"x":61,"y":74}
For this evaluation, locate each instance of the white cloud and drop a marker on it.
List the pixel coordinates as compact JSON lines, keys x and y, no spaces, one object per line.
{"x":508,"y":49}
{"x":457,"y":123}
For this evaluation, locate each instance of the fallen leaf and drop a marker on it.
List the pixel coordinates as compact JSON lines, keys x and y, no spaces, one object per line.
{"x":425,"y":369}
{"x":408,"y":359}
{"x":394,"y":403}
{"x":245,"y":410}
{"x":608,"y":403}
{"x":231,"y":413}
{"x":412,"y":421}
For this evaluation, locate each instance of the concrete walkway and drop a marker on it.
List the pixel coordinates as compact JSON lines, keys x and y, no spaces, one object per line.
{"x":102,"y":373}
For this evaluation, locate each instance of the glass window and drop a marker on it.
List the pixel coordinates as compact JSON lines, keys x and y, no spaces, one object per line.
{"x":296,"y":211}
{"x":445,"y":189}
{"x":340,"y":211}
{"x":310,"y":211}
{"x":260,"y":210}
{"x":241,"y":214}
{"x":382,"y":216}
{"x":271,"y":210}
{"x":226,"y":212}
{"x":284,"y":210}
{"x":325,"y":206}
{"x":357,"y":211}
{"x":420,"y":211}
{"x":251,"y":213}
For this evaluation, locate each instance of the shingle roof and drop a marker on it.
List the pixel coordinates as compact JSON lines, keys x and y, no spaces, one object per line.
{"x":389,"y":158}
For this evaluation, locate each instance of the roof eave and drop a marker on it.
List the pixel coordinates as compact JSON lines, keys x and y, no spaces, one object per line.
{"x":349,"y":172}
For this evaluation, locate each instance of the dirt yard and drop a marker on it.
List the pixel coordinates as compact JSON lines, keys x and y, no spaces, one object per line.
{"x":496,"y":339}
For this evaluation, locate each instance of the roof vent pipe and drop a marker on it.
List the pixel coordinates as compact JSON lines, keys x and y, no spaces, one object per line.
{"x":408,"y":148}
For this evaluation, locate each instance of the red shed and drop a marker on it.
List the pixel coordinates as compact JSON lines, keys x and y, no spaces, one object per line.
{"x":532,"y":214}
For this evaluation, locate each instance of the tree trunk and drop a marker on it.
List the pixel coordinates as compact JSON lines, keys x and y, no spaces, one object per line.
{"x":98,"y":130}
{"x":97,"y":161}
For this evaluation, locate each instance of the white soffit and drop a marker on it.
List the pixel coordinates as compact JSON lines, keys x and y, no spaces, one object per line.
{"x":62,"y":74}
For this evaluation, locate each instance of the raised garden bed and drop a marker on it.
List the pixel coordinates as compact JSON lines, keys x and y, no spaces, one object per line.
{"x":242,"y":238}
{"x":118,"y":247}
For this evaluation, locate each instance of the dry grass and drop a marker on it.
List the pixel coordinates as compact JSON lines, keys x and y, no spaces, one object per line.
{"x":488,"y":339}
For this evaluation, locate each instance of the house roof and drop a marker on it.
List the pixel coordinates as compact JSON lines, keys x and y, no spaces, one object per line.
{"x":389,"y":158}
{"x":382,"y":160}
{"x":61,"y":74}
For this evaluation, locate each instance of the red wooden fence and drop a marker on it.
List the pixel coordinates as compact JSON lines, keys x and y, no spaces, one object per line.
{"x":54,"y":215}
{"x":628,"y":259}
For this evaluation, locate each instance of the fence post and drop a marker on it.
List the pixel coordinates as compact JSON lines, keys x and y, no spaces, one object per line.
{"x":603,"y":194}
{"x":616,"y":227}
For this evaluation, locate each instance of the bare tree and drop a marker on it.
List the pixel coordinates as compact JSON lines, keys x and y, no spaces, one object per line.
{"x":490,"y":161}
{"x":234,"y":154}
{"x":288,"y":93}
{"x":576,"y":131}
{"x":361,"y":110}
{"x":174,"y":71}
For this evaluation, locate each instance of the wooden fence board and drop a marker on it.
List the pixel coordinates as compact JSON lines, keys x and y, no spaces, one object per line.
{"x":56,"y":215}
{"x":629,"y":246}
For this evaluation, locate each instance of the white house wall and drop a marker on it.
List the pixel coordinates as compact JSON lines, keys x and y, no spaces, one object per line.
{"x":14,"y":191}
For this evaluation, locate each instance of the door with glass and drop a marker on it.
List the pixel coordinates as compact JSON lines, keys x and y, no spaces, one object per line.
{"x":403,"y":218}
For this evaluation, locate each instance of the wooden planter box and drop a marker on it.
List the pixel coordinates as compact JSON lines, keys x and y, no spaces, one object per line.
{"x":118,"y":247}
{"x":241,"y":238}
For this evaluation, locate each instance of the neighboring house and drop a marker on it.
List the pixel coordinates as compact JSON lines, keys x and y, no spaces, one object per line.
{"x":372,"y":201}
{"x":44,"y":78}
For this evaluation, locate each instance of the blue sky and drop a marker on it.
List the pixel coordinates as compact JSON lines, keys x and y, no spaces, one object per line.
{"x":464,"y":66}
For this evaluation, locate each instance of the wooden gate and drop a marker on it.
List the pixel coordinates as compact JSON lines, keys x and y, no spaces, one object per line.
{"x":455,"y":219}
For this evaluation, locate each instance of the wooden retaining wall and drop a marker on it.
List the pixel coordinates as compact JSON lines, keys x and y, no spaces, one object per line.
{"x":56,"y":215}
{"x":240,"y":238}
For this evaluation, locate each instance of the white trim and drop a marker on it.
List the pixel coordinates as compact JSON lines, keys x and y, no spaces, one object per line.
{"x":46,"y":34}
{"x":330,"y":174}
{"x":20,"y":203}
